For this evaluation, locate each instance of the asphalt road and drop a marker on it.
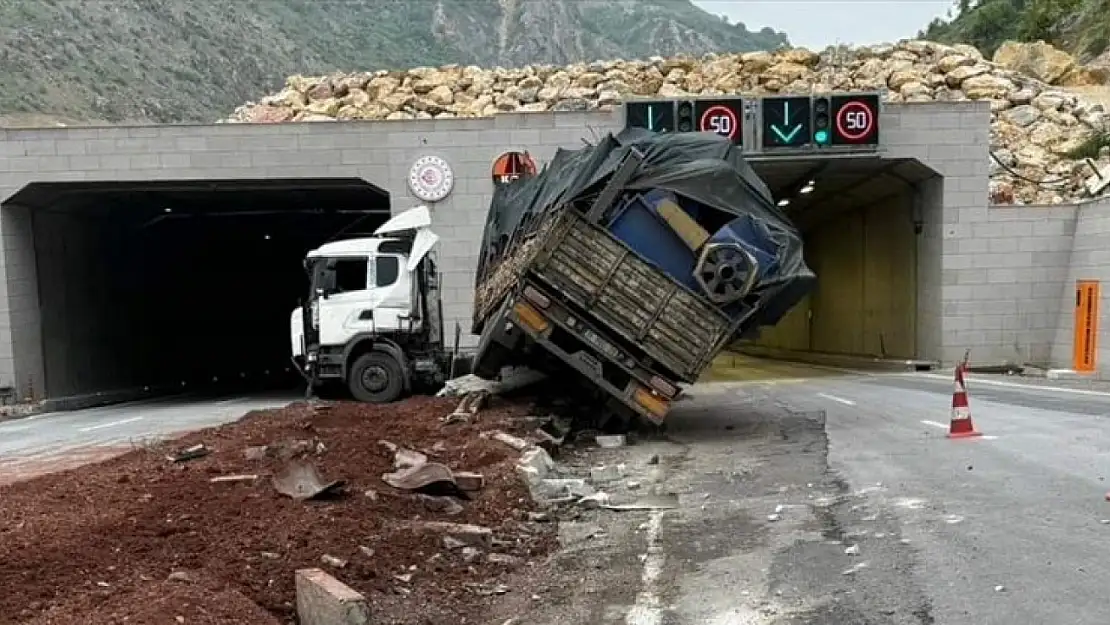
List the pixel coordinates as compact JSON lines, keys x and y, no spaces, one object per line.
{"x":807,"y":496}
{"x":824,"y":498}
{"x":62,"y":439}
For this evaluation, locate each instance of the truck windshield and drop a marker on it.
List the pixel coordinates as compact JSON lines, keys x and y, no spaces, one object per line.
{"x":351,"y":273}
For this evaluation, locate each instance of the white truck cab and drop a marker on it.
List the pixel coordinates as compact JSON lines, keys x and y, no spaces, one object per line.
{"x":373,"y":316}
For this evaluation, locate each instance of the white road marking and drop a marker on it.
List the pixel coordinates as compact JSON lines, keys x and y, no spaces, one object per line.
{"x":840,"y":400}
{"x":110,"y":424}
{"x":1030,"y":387}
{"x":649,"y":609}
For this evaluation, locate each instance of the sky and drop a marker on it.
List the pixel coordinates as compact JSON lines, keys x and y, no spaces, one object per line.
{"x":820,"y":23}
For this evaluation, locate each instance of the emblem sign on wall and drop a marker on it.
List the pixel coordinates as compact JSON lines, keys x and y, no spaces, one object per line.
{"x":431,"y":178}
{"x":512,"y":166}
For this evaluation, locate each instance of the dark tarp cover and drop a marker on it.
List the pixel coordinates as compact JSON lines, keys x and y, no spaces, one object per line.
{"x":702,"y":167}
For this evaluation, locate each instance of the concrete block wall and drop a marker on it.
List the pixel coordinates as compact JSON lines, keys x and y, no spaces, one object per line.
{"x":954,"y":140}
{"x":1089,"y":259}
{"x":951,"y":138}
{"x":378,"y":152}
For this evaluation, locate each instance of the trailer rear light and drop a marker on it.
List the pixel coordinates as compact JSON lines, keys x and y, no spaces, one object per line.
{"x":663,"y":386}
{"x":530,"y":317}
{"x":655,"y":405}
{"x":536,"y":297}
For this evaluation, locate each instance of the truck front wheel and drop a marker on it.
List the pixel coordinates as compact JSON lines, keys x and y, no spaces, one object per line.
{"x":376,"y":378}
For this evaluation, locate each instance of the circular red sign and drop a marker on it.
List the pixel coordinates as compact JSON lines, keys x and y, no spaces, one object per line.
{"x":855,"y":120}
{"x":721,"y":120}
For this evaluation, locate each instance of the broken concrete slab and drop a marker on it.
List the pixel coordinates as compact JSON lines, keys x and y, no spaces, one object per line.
{"x":511,"y":380}
{"x":535,"y":464}
{"x":324,"y":600}
{"x":611,"y":442}
{"x":605,"y":473}
{"x":515,"y":442}
{"x":556,"y":488}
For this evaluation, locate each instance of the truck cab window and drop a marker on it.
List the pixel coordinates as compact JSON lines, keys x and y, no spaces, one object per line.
{"x":350,"y":274}
{"x":386,"y":270}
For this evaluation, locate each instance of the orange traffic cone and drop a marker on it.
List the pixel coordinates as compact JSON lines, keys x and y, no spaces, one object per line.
{"x":961,"y":425}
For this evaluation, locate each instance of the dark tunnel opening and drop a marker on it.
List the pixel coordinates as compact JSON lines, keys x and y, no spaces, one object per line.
{"x":184,"y":285}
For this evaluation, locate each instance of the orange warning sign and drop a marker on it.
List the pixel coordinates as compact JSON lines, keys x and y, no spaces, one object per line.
{"x":512,"y":166}
{"x":1086,"y":325}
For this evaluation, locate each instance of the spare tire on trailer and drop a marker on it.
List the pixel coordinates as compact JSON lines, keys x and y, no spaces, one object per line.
{"x":376,"y":378}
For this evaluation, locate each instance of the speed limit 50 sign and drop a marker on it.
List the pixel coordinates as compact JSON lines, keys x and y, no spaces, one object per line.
{"x":721,"y":116}
{"x":855,"y":119}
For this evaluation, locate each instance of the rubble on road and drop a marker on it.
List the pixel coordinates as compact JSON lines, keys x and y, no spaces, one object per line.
{"x":511,"y":380}
{"x":141,"y":540}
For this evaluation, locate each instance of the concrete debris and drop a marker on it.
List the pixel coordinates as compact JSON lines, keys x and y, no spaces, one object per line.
{"x":511,"y":380}
{"x":504,"y":559}
{"x":470,"y":554}
{"x":443,"y":505}
{"x":855,"y":568}
{"x":852,"y":551}
{"x":547,"y":441}
{"x":535,"y":464}
{"x":610,"y":442}
{"x":422,"y":476}
{"x":256,"y":453}
{"x":486,"y":590}
{"x":1000,"y":588}
{"x":469,"y":481}
{"x":234,"y":478}
{"x":366,"y":551}
{"x":406,"y":458}
{"x":774,"y":517}
{"x":559,"y":488}
{"x":650,"y":502}
{"x":270,"y":555}
{"x":633,"y":485}
{"x":468,"y":407}
{"x":190,"y":453}
{"x":596,"y":500}
{"x":517,"y":443}
{"x":452,"y":543}
{"x":405,"y":578}
{"x":180,"y":576}
{"x":605,"y":473}
{"x":473,"y":535}
{"x":301,"y":481}
{"x":333,"y":561}
{"x":324,"y":600}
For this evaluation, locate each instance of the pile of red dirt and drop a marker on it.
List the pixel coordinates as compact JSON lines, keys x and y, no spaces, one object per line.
{"x":140,"y":539}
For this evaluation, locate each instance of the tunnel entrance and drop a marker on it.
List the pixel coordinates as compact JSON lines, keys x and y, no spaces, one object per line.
{"x":860,"y":218}
{"x":170,"y":285}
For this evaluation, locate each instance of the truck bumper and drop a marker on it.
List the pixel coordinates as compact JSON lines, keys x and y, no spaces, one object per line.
{"x":540,"y":324}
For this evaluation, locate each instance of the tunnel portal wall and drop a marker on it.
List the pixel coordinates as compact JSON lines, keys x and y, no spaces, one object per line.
{"x":950,"y":138}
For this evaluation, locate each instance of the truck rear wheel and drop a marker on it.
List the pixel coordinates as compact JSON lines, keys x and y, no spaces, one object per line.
{"x":376,"y":378}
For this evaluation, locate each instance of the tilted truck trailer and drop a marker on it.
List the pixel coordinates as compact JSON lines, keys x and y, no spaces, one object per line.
{"x":634,"y":261}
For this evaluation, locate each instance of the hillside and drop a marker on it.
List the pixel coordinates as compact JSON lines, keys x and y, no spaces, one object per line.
{"x":150,"y":60}
{"x":1081,"y":27}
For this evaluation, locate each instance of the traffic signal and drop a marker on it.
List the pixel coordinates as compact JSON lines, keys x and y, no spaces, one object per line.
{"x":686,"y":122}
{"x":822,"y":129}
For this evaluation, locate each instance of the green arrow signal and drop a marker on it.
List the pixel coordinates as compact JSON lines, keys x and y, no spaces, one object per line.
{"x":786,"y":137}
